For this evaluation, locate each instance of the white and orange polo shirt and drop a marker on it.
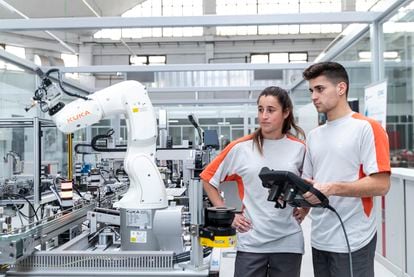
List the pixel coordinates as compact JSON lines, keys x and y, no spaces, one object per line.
{"x":274,"y":230}
{"x":345,"y":150}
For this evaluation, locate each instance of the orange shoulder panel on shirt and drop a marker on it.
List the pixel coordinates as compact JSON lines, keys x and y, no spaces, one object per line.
{"x":295,"y":139}
{"x":240,"y":185}
{"x":367,"y":202}
{"x":211,"y":169}
{"x":382,"y":148}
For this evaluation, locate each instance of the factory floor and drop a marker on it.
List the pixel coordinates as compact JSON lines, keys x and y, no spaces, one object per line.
{"x":227,"y":263}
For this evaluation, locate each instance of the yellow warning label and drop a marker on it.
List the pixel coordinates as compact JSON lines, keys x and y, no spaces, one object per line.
{"x":219,"y":241}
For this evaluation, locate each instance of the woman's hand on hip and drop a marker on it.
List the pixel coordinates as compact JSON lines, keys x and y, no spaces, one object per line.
{"x":241,"y":223}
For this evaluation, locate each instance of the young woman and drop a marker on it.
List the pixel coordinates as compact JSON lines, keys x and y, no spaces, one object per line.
{"x":269,"y":240}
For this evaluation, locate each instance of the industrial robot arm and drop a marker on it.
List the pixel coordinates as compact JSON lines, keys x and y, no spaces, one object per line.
{"x":129,"y":98}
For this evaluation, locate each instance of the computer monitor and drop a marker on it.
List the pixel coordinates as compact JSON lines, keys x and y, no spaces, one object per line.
{"x":211,"y":139}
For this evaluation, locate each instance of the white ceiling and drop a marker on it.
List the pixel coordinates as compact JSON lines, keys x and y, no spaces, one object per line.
{"x":111,"y":52}
{"x":66,"y":8}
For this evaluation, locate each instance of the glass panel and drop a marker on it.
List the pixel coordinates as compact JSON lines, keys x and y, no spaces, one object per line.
{"x":225,"y":132}
{"x":298,"y":57}
{"x":209,"y":121}
{"x":159,"y":8}
{"x":175,"y":133}
{"x":398,"y":39}
{"x":230,"y":7}
{"x":123,"y":136}
{"x":16,"y":91}
{"x":236,"y":133}
{"x":157,"y":59}
{"x":278,"y":58}
{"x":189,"y":134}
{"x":234,"y":121}
{"x":79,"y":136}
{"x":17,"y":153}
{"x":138,"y":60}
{"x":101,"y":128}
{"x":359,"y":78}
{"x":54,"y":150}
{"x":259,"y":58}
{"x":178,"y":121}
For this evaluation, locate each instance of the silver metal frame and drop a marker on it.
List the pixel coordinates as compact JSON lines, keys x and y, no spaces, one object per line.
{"x":21,"y":242}
{"x":101,"y":263}
{"x":185,"y":21}
{"x":234,"y":101}
{"x":195,"y":190}
{"x":37,"y":124}
{"x":37,"y":159}
{"x":336,"y":50}
{"x":178,"y":67}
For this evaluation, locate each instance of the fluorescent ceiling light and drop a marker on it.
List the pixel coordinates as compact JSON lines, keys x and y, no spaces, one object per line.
{"x":12,"y":9}
{"x":90,"y":8}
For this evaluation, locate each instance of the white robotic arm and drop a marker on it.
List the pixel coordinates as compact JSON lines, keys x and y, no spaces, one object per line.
{"x":147,"y":190}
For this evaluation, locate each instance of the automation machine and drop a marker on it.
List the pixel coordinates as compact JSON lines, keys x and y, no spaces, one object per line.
{"x":143,"y":230}
{"x":146,"y":193}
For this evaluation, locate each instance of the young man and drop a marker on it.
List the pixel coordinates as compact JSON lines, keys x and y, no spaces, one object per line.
{"x":347,"y":159}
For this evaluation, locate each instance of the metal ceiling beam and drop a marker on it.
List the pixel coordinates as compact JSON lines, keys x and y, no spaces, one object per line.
{"x":214,"y":38}
{"x":231,"y":50}
{"x":166,"y":102}
{"x":186,"y":21}
{"x":45,"y":44}
{"x":193,"y":67}
{"x":31,"y":67}
{"x":179,"y":67}
{"x":22,"y":63}
{"x":207,"y":89}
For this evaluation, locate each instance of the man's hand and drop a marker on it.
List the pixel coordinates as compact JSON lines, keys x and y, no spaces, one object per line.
{"x":325,"y":189}
{"x":241,"y":223}
{"x":300,"y":213}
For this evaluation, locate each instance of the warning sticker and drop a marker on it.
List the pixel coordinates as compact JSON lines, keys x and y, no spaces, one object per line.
{"x":138,"y":237}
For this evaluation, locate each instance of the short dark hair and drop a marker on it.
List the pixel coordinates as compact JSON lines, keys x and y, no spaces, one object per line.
{"x":333,"y":71}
